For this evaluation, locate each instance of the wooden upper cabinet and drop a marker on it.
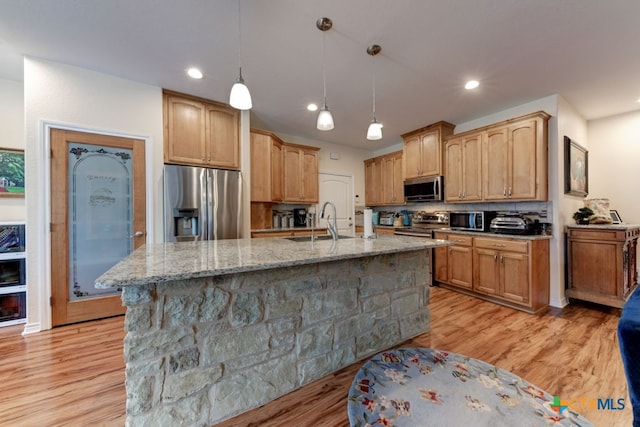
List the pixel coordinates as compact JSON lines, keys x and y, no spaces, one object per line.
{"x":277,"y":171}
{"x":423,"y":150}
{"x":266,"y":167}
{"x":300,"y":164}
{"x":200,"y":132}
{"x":463,"y":171}
{"x":384,"y":180}
{"x":509,"y":159}
{"x":515,"y":160}
{"x":372,"y":182}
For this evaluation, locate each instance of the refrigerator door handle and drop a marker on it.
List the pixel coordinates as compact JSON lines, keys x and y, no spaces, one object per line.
{"x":204,"y":226}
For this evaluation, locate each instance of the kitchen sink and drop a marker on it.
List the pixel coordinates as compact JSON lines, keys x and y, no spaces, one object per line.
{"x":321,"y":237}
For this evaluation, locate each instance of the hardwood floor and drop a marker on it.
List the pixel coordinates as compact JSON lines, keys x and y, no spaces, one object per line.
{"x":74,"y":375}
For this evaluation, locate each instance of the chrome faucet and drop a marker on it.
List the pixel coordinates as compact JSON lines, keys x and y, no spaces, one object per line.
{"x":333,"y":228}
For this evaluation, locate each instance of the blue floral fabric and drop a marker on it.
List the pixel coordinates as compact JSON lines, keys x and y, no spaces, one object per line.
{"x":426,"y":387}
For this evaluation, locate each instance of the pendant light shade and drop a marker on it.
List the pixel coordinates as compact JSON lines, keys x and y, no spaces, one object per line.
{"x":374,"y":132}
{"x":240,"y":97}
{"x":325,"y":118}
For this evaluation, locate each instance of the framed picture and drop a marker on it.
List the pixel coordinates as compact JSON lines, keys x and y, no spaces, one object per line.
{"x":576,"y":168}
{"x":11,"y":172}
{"x":615,"y":216}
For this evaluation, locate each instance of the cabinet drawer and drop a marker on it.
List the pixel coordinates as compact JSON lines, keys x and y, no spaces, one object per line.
{"x":599,"y":234}
{"x":502,"y":245}
{"x":460,"y":240}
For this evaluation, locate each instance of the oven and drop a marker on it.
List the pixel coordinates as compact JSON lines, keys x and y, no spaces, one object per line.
{"x":424,"y":224}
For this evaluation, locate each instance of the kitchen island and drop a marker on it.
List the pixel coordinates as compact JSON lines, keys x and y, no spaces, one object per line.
{"x":219,"y":327}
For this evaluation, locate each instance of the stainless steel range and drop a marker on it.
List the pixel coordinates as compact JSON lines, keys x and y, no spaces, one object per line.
{"x":423,"y":224}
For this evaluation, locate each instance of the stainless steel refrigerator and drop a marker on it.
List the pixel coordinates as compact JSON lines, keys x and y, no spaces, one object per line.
{"x":201,"y":203}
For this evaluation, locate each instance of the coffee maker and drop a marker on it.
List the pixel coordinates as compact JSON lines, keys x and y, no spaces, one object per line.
{"x":300,"y":217}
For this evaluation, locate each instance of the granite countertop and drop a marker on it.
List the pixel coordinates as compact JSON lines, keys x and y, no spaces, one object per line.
{"x":163,"y":262}
{"x":605,"y":226}
{"x":498,"y":235}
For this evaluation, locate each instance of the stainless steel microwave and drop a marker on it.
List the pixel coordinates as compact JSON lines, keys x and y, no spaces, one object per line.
{"x":471,"y":220}
{"x":427,"y":189}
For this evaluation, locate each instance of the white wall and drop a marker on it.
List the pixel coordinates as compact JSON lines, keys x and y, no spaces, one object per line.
{"x":614,"y":156}
{"x":12,"y":136}
{"x":79,"y":98}
{"x":570,"y":123}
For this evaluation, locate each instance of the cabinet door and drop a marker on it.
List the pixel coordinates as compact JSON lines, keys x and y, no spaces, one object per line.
{"x":487,"y":271}
{"x":222,"y":137}
{"x":292,"y":177}
{"x":261,"y":173}
{"x":277,"y":172}
{"x":184,"y":131}
{"x":472,"y":168}
{"x":460,"y":266}
{"x":309,"y":175}
{"x":441,"y":264}
{"x":522,"y":170}
{"x":495,"y":157}
{"x":453,"y":171}
{"x":398,"y":187}
{"x":373,"y":193}
{"x":412,"y":157}
{"x":594,"y":266}
{"x":431,"y":158}
{"x":514,"y":272}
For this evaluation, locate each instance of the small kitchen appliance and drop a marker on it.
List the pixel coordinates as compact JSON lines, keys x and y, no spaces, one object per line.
{"x":512,"y":223}
{"x":300,"y":217}
{"x":471,"y":220}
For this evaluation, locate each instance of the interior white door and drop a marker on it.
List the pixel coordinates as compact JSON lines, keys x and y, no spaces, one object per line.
{"x":338,"y":189}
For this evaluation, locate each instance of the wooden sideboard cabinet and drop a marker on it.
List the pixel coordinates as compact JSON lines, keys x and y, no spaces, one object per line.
{"x":601,"y":263}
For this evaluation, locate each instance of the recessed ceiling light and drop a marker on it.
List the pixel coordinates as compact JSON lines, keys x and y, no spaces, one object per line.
{"x":194,"y":73}
{"x":472,"y":84}
{"x":312,"y":107}
{"x":638,"y":100}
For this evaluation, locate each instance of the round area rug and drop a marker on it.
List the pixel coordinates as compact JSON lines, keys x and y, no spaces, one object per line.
{"x":426,"y":387}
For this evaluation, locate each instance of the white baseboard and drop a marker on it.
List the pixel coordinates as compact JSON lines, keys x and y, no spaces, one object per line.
{"x":31,"y":328}
{"x":559,"y":303}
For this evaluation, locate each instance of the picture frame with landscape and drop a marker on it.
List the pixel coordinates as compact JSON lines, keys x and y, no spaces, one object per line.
{"x":11,"y":172}
{"x":576,"y":168}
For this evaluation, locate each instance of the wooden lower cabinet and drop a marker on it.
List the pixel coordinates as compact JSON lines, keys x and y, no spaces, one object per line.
{"x":508,"y":271}
{"x":601,"y":263}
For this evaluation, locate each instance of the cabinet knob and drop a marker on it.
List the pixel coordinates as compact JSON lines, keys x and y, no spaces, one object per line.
{"x":509,"y":192}
{"x":504,"y":192}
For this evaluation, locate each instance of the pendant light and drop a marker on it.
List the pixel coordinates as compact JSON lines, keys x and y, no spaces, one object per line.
{"x":240,"y":97}
{"x":325,"y":118}
{"x":374,"y":132}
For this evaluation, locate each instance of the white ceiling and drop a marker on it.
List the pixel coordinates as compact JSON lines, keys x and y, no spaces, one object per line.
{"x":520,"y":50}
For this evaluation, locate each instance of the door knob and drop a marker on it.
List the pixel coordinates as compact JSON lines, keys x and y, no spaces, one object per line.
{"x":138,"y":234}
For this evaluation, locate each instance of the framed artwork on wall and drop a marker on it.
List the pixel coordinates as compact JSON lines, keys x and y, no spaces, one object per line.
{"x":576,"y":168}
{"x":11,"y":172}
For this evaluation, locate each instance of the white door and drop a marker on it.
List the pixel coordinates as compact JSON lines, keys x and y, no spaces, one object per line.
{"x":337,"y":188}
